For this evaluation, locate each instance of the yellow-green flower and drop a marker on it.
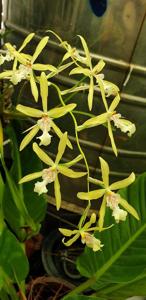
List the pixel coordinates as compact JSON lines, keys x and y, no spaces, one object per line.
{"x":83,"y":232}
{"x":110,"y":198}
{"x":45,"y":116}
{"x":110,"y":115}
{"x":27,"y":64}
{"x":51,"y":174}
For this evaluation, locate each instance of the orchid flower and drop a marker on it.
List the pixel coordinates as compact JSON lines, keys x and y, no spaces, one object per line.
{"x":83,"y":232}
{"x":27,"y":64}
{"x":106,"y":118}
{"x":51,"y":174}
{"x":110,"y":198}
{"x":45,"y":117}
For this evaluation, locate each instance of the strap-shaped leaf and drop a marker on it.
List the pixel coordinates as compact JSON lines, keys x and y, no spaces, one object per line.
{"x":87,"y":53}
{"x":29,"y":137}
{"x":61,"y":111}
{"x":61,"y":147}
{"x":26,"y":41}
{"x":44,"y":91}
{"x":34,"y":88}
{"x":90,"y":94}
{"x":39,"y":48}
{"x":70,"y":173}
{"x":30,"y":177}
{"x":59,"y":134}
{"x":43,"y":67}
{"x":57,"y":193}
{"x":104,"y":171}
{"x":31,"y":112}
{"x":123,"y":183}
{"x":42,"y":155}
{"x":92,"y":195}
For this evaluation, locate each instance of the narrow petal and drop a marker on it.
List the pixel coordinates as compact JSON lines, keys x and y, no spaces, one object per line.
{"x":101,"y":86}
{"x":80,"y":70}
{"x":6,"y":74}
{"x":39,"y":48}
{"x":72,"y":240}
{"x":34,"y":88}
{"x":29,"y":137}
{"x":60,"y":111}
{"x":104,"y":171}
{"x":90,"y":222}
{"x":61,"y":147}
{"x":42,"y":155}
{"x":16,"y":54}
{"x":57,"y":193}
{"x":123,"y":183}
{"x":44,"y":90}
{"x":30,"y":177}
{"x":59,"y":133}
{"x":67,"y":232}
{"x":44,"y":67}
{"x":28,"y":111}
{"x":92,"y":195}
{"x":102,"y":214}
{"x":87,"y":52}
{"x":98,"y":68}
{"x":90,"y":94}
{"x":114,"y":103}
{"x":26,"y":41}
{"x":110,"y":133}
{"x":73,"y":162}
{"x":95,"y":121}
{"x":129,"y":208}
{"x":70,"y":173}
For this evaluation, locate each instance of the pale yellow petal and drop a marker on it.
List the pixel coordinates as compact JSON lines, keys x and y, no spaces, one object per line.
{"x":61,"y":111}
{"x":129,"y":208}
{"x":98,"y":68}
{"x":44,"y":91}
{"x":90,"y":94}
{"x":30,"y":177}
{"x":70,"y":173}
{"x":40,"y":47}
{"x":42,"y":155}
{"x":26,"y":41}
{"x":110,"y":133}
{"x":29,"y":137}
{"x":92,"y":195}
{"x":59,"y":133}
{"x":72,"y":240}
{"x":57,"y":193}
{"x":73,"y":161}
{"x":34,"y":88}
{"x":67,"y":232}
{"x":104,"y":171}
{"x":102,"y":214}
{"x":29,"y":111}
{"x":87,"y":52}
{"x":114,"y":103}
{"x":44,"y":67}
{"x":95,"y":121}
{"x":61,"y":147}
{"x":123,"y":183}
{"x":80,"y":70}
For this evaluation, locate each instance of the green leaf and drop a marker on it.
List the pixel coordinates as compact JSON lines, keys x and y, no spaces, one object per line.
{"x":83,"y":297}
{"x":123,"y":258}
{"x":13,"y":259}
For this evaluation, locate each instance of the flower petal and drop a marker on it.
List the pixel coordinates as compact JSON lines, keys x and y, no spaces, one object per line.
{"x":95,"y":121}
{"x":101,"y":86}
{"x":90,"y":94}
{"x":129,"y":208}
{"x":34,"y":88}
{"x":26,"y":41}
{"x":72,"y":240}
{"x":73,"y":161}
{"x":31,"y":112}
{"x":44,"y":90}
{"x":29,"y":137}
{"x":30,"y":177}
{"x":87,"y":52}
{"x":44,"y":67}
{"x":110,"y":133}
{"x":115,"y":103}
{"x":60,"y":111}
{"x":98,"y":68}
{"x":102,"y":214}
{"x":39,"y":48}
{"x":92,"y":195}
{"x":42,"y":155}
{"x":59,"y":133}
{"x":67,"y":232}
{"x":70,"y":173}
{"x":6,"y":74}
{"x":57,"y":193}
{"x":61,"y":147}
{"x":122,"y":183}
{"x":104,"y":171}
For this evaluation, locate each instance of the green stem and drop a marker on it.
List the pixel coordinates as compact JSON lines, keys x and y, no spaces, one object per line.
{"x":73,"y":94}
{"x":84,"y":286}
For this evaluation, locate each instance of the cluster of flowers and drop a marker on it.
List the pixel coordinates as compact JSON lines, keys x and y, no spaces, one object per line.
{"x":24,"y":67}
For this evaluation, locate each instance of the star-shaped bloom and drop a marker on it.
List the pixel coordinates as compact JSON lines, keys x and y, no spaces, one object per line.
{"x":83,"y":233}
{"x":110,"y":115}
{"x":50,"y":174}
{"x":110,"y":198}
{"x":45,"y":117}
{"x":27,"y":65}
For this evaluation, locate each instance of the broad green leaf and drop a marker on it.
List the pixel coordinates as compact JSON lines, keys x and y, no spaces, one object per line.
{"x":87,"y":53}
{"x":92,"y":195}
{"x":34,"y":88}
{"x":61,"y":148}
{"x":29,"y":111}
{"x":59,"y":134}
{"x":26,"y":41}
{"x":70,"y":173}
{"x":57,"y":193}
{"x":122,"y":183}
{"x":13,"y":259}
{"x":39,"y":48}
{"x":30,"y":177}
{"x":61,"y":111}
{"x":123,"y":259}
{"x":43,"y":67}
{"x":104,"y":171}
{"x":44,"y":91}
{"x":42,"y":155}
{"x":29,"y":137}
{"x":90,"y":94}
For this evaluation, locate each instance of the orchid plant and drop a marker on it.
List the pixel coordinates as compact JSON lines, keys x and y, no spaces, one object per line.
{"x":24,"y":67}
